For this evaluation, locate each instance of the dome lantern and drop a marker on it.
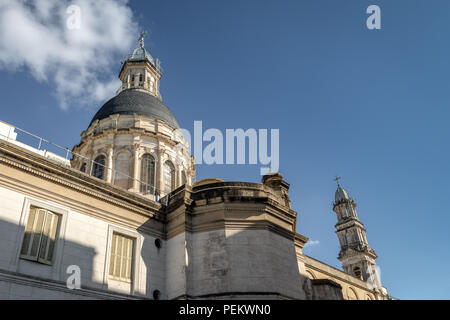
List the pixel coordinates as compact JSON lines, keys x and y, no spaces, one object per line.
{"x":141,"y":71}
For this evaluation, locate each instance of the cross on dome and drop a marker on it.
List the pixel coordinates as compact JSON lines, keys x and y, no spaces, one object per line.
{"x":141,"y":38}
{"x":337,"y":180}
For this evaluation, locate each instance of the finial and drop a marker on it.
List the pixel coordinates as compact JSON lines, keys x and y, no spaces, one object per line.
{"x":337,"y":180}
{"x":141,"y":38}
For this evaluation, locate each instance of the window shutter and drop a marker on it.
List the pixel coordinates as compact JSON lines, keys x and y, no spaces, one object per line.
{"x":123,"y":265}
{"x":113,"y":255}
{"x":120,"y":241}
{"x":126,"y":259}
{"x":129,"y":259}
{"x":116,"y":247}
{"x":121,"y":257}
{"x":33,"y":234}
{"x":28,"y":230}
{"x":48,"y":238}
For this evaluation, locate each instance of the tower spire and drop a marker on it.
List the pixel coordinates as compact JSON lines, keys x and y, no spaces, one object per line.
{"x":357,"y":257}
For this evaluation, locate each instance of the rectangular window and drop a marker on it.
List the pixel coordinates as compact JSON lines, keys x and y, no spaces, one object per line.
{"x":40,"y":236}
{"x":121,"y":260}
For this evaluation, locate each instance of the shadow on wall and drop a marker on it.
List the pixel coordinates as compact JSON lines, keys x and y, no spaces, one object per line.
{"x":224,"y":263}
{"x":250,"y":262}
{"x":231,"y":263}
{"x":244,"y":264}
{"x":38,"y":269}
{"x":153,"y":255}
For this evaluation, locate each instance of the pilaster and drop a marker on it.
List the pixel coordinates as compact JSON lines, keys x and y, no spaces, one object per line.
{"x":109,"y":163}
{"x":136,"y":166}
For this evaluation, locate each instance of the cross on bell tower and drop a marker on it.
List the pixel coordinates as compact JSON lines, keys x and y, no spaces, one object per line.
{"x":337,"y":180}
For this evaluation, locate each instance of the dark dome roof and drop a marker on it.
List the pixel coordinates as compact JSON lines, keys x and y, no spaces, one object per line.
{"x":136,"y":102}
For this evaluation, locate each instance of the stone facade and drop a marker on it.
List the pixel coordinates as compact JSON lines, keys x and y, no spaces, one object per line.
{"x":218,"y":240}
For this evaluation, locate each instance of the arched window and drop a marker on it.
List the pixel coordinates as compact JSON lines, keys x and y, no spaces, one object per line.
{"x":169,"y":177}
{"x":148,"y":174}
{"x":122,"y":170}
{"x":183,"y":178}
{"x":98,"y":169}
{"x":83,"y":167}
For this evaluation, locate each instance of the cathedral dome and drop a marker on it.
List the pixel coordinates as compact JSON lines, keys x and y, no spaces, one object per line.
{"x":132,"y":101}
{"x":132,"y":141}
{"x":341,"y":195}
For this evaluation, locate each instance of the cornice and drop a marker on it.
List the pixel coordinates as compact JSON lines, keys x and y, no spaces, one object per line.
{"x":348,"y":223}
{"x":300,"y":240}
{"x":228,"y":215}
{"x":126,"y":131}
{"x":339,"y":274}
{"x":229,"y":224}
{"x":47,"y":169}
{"x":59,"y":286}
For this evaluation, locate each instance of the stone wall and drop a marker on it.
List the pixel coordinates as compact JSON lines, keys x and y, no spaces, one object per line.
{"x":89,"y":212}
{"x":351,"y":287}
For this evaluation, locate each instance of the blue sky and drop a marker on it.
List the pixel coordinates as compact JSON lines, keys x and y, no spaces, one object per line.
{"x":370,"y":106}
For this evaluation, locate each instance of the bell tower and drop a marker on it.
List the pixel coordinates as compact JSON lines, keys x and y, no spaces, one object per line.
{"x":357,"y":257}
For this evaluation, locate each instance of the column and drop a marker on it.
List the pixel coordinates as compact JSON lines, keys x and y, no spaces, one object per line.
{"x":179,"y":170}
{"x":136,"y":184}
{"x":89,"y":160}
{"x":160,"y":172}
{"x":109,"y":163}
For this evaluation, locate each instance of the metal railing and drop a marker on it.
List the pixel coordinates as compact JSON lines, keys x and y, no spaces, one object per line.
{"x":143,"y":187}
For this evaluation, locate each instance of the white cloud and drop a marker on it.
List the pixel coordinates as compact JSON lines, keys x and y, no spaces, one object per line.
{"x":312,"y":243}
{"x":81,"y":64}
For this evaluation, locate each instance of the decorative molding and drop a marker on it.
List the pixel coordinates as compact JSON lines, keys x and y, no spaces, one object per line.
{"x":44,"y":168}
{"x":59,"y":286}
